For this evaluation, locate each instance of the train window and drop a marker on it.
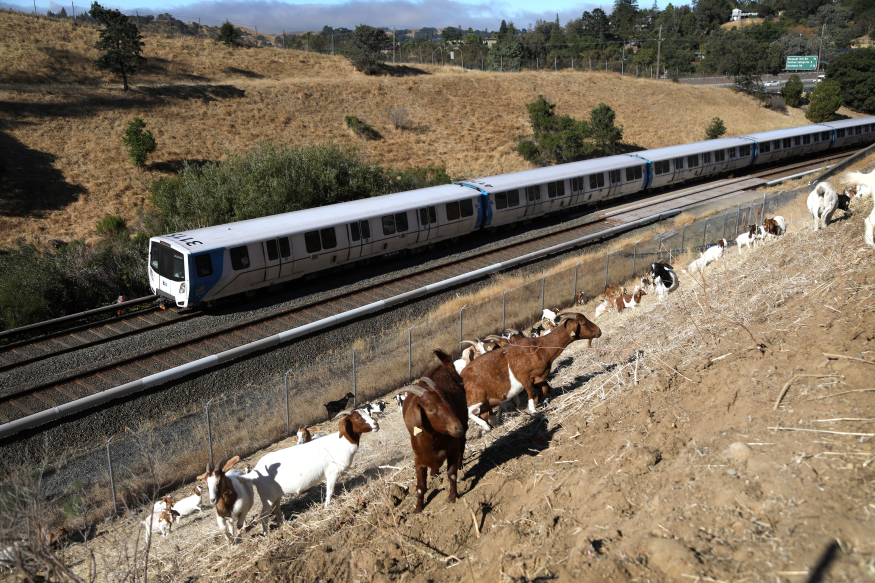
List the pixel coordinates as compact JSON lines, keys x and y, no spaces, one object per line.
{"x":720,"y":156}
{"x":743,"y":151}
{"x":388,"y":225}
{"x":866,"y":129}
{"x":312,"y":243}
{"x":614,"y":176}
{"x":366,"y":227}
{"x":816,"y":137}
{"x":824,"y":136}
{"x":577,"y":184}
{"x":154,"y":255}
{"x":706,"y":158}
{"x":859,"y":130}
{"x":285,"y":248}
{"x":840,"y":133}
{"x":513,"y":197}
{"x":661,"y":167}
{"x":678,"y":163}
{"x":597,"y":180}
{"x":432,"y":215}
{"x":776,"y":144}
{"x":551,"y":189}
{"x":693,"y":161}
{"x":272,"y":250}
{"x":785,"y":143}
{"x":452,"y":211}
{"x":765,"y":147}
{"x":401,"y":222}
{"x":796,"y":141}
{"x":423,"y":217}
{"x":467,"y":207}
{"x":633,"y":173}
{"x":354,"y":231}
{"x":731,"y":153}
{"x":806,"y":139}
{"x":204,"y":265}
{"x":533,"y":193}
{"x":500,"y":200}
{"x":329,"y":238}
{"x":239,"y":258}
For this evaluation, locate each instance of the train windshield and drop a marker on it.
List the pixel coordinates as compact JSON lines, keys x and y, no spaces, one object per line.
{"x":166,"y":262}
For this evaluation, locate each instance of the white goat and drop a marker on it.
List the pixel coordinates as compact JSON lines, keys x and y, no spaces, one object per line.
{"x":822,"y":203}
{"x":189,"y":504}
{"x":159,"y":521}
{"x":295,"y":469}
{"x":164,"y":503}
{"x":865,"y":187}
{"x":231,"y":492}
{"x":711,"y":254}
{"x":549,"y":315}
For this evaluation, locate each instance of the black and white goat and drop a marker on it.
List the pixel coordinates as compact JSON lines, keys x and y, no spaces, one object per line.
{"x":664,"y":278}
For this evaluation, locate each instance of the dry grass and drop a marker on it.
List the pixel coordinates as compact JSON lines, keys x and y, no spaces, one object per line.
{"x":708,"y":318}
{"x":62,"y":121}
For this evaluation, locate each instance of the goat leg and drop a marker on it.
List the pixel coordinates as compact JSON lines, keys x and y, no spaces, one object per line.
{"x":453,"y":462}
{"x":421,"y":473}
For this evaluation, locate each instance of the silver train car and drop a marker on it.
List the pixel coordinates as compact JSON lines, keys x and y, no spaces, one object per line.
{"x":204,"y":265}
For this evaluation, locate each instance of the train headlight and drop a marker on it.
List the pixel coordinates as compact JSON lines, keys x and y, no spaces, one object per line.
{"x":182,"y":288}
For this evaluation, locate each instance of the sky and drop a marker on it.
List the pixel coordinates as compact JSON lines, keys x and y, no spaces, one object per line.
{"x":273,"y":16}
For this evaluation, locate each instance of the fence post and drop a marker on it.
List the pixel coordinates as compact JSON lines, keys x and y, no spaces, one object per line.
{"x":607,"y":263}
{"x":763,"y":209}
{"x":634,"y":256}
{"x":543,"y":286}
{"x":575,"y":279}
{"x":460,"y":329}
{"x":209,"y":433}
{"x":410,"y":352}
{"x":725,"y":218}
{"x":683,"y":237}
{"x":503,"y":312}
{"x":705,"y":232}
{"x":286,"y":385}
{"x":111,"y":476}
{"x":354,"y":384}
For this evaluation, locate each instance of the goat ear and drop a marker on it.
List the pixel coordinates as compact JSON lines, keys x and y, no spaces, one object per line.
{"x":230,"y":463}
{"x":204,"y":476}
{"x":345,"y":427}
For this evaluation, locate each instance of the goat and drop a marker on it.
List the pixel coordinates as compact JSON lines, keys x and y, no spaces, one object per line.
{"x":231,"y":493}
{"x":822,"y":203}
{"x":611,"y":290}
{"x":399,"y":398}
{"x":504,"y":373}
{"x":713,"y":253}
{"x":188,"y":505}
{"x":747,"y":239}
{"x":295,"y":469}
{"x":581,"y":298}
{"x":607,"y":304}
{"x":305,"y":435}
{"x":375,"y":407}
{"x":629,"y":301}
{"x":164,"y":503}
{"x":159,"y":521}
{"x":335,"y":407}
{"x":865,"y":183}
{"x":436,"y":416}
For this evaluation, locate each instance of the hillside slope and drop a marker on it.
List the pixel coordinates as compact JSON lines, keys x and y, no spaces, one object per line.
{"x":61,"y":121}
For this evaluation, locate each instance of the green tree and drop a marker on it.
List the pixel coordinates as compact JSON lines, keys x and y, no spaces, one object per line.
{"x":364,"y":48}
{"x":792,"y":91}
{"x":228,"y":35}
{"x":605,"y":135}
{"x":140,"y":142}
{"x":120,"y":42}
{"x":715,"y":130}
{"x":555,"y":139}
{"x":855,"y":72}
{"x":825,"y":101}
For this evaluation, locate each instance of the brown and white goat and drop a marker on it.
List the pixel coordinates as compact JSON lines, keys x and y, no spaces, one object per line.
{"x":232,"y":495}
{"x":159,"y":521}
{"x":436,"y":416}
{"x":502,"y":374}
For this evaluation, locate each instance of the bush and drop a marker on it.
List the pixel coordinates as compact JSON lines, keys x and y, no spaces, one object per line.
{"x":605,"y":134}
{"x":855,"y":73}
{"x":112,"y":226}
{"x":792,"y":91}
{"x":228,"y":35}
{"x":140,"y":142}
{"x":825,"y":101}
{"x":715,"y":130}
{"x":777,"y":103}
{"x":269,"y":180}
{"x":361,"y":128}
{"x":364,"y":48}
{"x":398,"y":117}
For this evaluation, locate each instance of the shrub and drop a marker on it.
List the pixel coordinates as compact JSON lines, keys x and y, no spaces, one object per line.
{"x":398,"y":117}
{"x":777,"y":103}
{"x":364,"y":48}
{"x":140,"y":142}
{"x":359,"y":127}
{"x":112,"y":226}
{"x":792,"y":91}
{"x":715,"y":130}
{"x":855,"y":73}
{"x":605,"y":134}
{"x":825,"y":101}
{"x":228,"y":35}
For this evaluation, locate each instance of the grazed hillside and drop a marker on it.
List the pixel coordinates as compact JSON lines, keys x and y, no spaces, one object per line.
{"x":61,"y":121}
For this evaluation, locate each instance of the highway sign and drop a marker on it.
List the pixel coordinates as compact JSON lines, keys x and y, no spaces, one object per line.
{"x":801,"y":63}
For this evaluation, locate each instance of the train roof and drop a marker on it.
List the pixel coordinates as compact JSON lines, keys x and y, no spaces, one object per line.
{"x":525,"y":178}
{"x":788,"y":132}
{"x":260,"y":229}
{"x":694,"y":148}
{"x":852,"y":122}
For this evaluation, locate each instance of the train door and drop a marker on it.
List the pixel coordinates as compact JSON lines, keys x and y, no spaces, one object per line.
{"x":678,"y":170}
{"x":359,"y":239}
{"x":615,"y":183}
{"x":428,"y":223}
{"x":287,"y":261}
{"x":533,"y":200}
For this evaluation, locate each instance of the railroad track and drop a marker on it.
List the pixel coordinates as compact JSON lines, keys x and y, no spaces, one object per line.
{"x":30,"y":400}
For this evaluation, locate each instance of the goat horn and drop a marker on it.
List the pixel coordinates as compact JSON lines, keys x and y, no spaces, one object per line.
{"x":428,"y":381}
{"x":468,"y":342}
{"x":418,"y":391}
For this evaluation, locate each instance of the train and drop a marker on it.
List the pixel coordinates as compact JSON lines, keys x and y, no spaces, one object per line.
{"x":200,"y":266}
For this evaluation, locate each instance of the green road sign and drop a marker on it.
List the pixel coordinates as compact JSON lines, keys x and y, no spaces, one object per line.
{"x":801,"y":63}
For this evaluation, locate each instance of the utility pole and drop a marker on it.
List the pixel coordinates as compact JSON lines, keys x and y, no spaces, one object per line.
{"x":284,"y":38}
{"x":820,"y":50}
{"x":658,"y":50}
{"x":393,"y":45}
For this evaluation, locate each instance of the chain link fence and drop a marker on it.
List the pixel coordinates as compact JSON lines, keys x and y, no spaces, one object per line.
{"x":142,"y":463}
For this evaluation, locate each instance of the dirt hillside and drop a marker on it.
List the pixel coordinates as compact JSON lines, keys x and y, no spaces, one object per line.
{"x":743,"y":453}
{"x":62,"y":121}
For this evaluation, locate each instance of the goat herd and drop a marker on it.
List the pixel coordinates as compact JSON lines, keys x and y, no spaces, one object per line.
{"x":438,"y":407}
